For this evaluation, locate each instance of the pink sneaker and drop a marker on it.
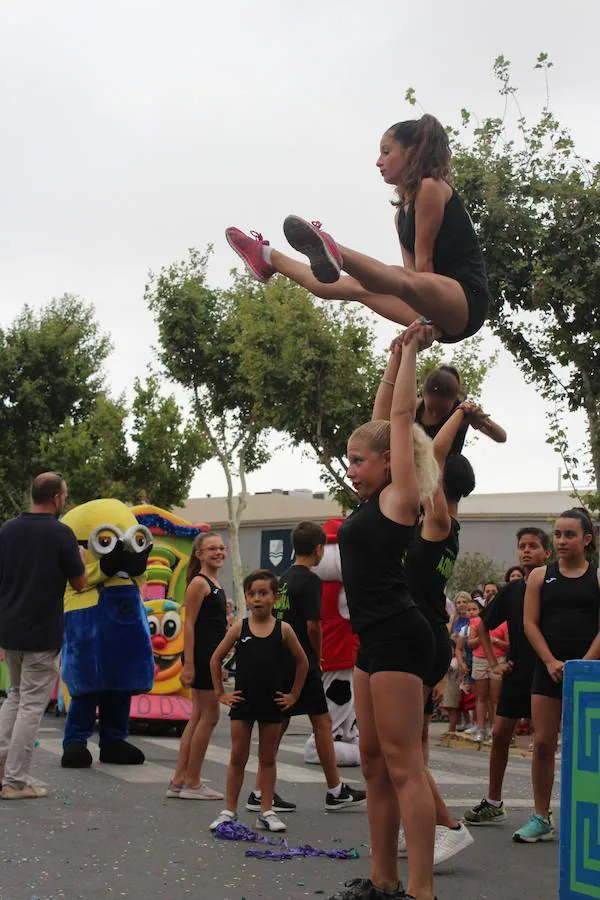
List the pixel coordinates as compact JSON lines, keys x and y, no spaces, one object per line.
{"x":323,"y":255}
{"x":250,"y":250}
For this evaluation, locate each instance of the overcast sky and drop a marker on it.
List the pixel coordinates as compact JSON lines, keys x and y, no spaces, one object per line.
{"x":134,"y":130}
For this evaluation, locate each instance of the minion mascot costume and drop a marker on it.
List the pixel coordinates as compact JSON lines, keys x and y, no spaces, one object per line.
{"x":107,"y":652}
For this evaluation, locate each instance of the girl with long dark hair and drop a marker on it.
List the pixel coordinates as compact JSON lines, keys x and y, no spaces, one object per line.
{"x":443,"y":278}
{"x":562,"y":606}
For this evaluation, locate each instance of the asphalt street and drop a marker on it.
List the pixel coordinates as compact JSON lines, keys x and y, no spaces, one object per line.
{"x":110,"y":832}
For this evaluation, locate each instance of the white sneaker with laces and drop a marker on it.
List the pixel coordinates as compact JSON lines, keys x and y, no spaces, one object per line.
{"x":226,"y":815}
{"x":270,"y":821}
{"x":471,"y":729}
{"x":449,"y":842}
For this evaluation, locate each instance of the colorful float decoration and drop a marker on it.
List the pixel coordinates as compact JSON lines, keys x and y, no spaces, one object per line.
{"x":163,"y":595}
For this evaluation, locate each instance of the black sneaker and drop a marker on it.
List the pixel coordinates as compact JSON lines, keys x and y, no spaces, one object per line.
{"x":279,"y":804}
{"x":363,"y":889}
{"x":348,"y":798}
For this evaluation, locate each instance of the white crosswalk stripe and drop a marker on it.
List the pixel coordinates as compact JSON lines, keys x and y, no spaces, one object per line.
{"x":161,"y":772}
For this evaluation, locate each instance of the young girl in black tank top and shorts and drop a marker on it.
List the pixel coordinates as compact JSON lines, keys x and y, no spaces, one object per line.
{"x":562,"y":609}
{"x":204,"y":629}
{"x":391,"y":468}
{"x":442,"y":279}
{"x":263,"y":648}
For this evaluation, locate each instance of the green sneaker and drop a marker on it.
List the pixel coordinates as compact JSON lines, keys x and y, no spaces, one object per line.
{"x":537,"y":829}
{"x":486,"y":814}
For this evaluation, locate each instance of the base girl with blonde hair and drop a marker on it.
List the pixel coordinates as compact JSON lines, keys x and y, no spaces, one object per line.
{"x":391,"y":467}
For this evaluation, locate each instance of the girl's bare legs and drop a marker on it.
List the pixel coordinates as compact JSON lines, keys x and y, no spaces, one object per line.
{"x":194,"y":743}
{"x":241,"y":732}
{"x":437,"y":297}
{"x":442,"y":813}
{"x":482,"y":699}
{"x":495,"y":691}
{"x":397,"y":702}
{"x":269,"y":737}
{"x":346,"y":288}
{"x":546,"y":712}
{"x":382,"y":804}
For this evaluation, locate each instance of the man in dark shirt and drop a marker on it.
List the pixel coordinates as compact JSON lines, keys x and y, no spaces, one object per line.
{"x":38,"y":555}
{"x":515,"y":699}
{"x":299,"y":604}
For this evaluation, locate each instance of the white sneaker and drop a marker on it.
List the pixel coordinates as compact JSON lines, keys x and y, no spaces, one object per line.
{"x":449,"y":842}
{"x":471,"y":729}
{"x":270,"y":821}
{"x":202,"y":792}
{"x":402,"y":851}
{"x":226,"y":815}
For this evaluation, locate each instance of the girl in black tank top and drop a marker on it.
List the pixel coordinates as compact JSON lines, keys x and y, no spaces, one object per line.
{"x":391,"y":466}
{"x":263,"y":648}
{"x":204,"y":628}
{"x":443,"y":275}
{"x":562,"y":609}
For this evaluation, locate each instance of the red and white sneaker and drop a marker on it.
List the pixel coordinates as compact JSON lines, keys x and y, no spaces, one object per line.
{"x":250,"y":249}
{"x":323,"y":255}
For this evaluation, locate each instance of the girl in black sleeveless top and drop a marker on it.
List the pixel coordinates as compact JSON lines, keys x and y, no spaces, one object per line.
{"x":562,"y":609}
{"x":391,"y":467}
{"x":204,"y":628}
{"x":263,"y":648}
{"x":443,"y":274}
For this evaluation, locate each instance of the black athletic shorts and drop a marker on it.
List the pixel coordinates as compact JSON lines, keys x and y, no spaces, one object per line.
{"x":400,"y":643}
{"x":441,"y":662}
{"x":515,"y":696}
{"x":312,"y":700}
{"x":543,"y":684}
{"x":478,"y":303}
{"x":203,"y":650}
{"x":263,"y":710}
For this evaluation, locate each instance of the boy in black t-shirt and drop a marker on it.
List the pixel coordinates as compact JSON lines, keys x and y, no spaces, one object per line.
{"x":299,"y":604}
{"x":515,"y":699}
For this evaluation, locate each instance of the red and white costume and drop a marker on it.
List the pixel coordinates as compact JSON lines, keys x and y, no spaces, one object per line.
{"x":339,"y":655}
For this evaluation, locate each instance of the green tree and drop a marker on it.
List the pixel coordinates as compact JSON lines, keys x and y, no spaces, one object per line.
{"x":50,"y":369}
{"x":471,"y":571}
{"x":92,"y":453}
{"x":314,"y":374}
{"x":535,"y":203}
{"x":167,"y":449}
{"x":198,"y":329}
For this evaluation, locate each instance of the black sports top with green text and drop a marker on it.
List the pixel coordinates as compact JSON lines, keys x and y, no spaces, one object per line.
{"x":428,"y":567}
{"x":456,"y":251}
{"x":372,"y":550}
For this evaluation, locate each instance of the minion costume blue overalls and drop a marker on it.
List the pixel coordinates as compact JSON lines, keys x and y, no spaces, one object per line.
{"x":107,"y":651}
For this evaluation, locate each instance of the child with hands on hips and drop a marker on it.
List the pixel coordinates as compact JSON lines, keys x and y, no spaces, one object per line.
{"x":263,"y":645}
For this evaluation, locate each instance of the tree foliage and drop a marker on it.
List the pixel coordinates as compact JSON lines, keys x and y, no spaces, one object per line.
{"x":472,"y":570}
{"x":535,"y":203}
{"x":56,"y":413}
{"x":198,"y":328}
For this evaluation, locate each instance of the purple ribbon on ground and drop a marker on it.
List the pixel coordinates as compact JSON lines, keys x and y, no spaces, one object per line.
{"x":237,"y":831}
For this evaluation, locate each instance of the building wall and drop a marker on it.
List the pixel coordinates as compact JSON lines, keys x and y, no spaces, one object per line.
{"x":496,"y":539}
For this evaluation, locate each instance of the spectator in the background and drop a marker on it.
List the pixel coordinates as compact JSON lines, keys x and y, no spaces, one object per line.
{"x":488,"y":684}
{"x":452,"y":693}
{"x":515,"y":573}
{"x":490,"y":589}
{"x":477,"y":595}
{"x":38,"y":555}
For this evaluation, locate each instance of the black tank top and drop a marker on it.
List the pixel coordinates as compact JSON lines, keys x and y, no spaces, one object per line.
{"x":372,"y":550}
{"x":261,"y":664}
{"x":456,"y":251}
{"x":569,"y":611}
{"x":212,"y":617}
{"x":428,"y":567}
{"x":432,"y":430}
